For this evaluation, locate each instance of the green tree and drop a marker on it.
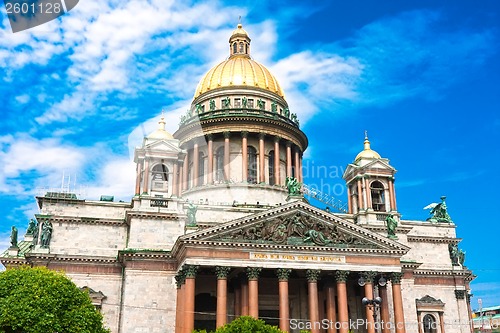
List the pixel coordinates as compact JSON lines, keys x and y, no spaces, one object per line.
{"x":246,"y":325}
{"x":34,"y":300}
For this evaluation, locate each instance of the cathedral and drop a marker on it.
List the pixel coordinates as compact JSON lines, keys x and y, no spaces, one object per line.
{"x":220,"y":226}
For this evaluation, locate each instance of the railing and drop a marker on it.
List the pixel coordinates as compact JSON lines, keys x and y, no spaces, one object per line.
{"x":324,"y":198}
{"x":239,"y":112}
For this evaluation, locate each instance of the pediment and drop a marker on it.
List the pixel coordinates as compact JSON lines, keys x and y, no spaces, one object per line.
{"x":296,"y":224}
{"x":378,"y":164}
{"x":164,"y":145}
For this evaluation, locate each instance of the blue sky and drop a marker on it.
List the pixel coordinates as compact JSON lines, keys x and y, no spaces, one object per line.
{"x":77,"y":94}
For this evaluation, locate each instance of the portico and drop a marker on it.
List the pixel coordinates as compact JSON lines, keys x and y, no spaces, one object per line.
{"x":277,"y":276}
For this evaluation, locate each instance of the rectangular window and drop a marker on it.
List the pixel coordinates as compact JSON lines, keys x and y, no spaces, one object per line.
{"x":250,"y":103}
{"x":237,"y":102}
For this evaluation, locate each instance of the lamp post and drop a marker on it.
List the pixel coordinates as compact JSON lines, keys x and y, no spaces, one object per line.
{"x":374,"y":304}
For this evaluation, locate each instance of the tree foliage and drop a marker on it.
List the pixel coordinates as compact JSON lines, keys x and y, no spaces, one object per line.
{"x":34,"y":300}
{"x":246,"y":325}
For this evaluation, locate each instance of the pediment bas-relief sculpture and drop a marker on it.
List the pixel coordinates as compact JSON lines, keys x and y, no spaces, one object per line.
{"x":295,"y":229}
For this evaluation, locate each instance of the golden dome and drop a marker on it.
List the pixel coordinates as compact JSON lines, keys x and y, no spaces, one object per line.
{"x":367,"y":152}
{"x":160,"y":133}
{"x":239,"y":70}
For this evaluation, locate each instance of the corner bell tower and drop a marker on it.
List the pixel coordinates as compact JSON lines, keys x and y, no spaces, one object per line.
{"x":370,"y":187}
{"x":158,"y":162}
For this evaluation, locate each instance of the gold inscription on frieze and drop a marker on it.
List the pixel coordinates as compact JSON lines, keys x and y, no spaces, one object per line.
{"x":292,"y":257}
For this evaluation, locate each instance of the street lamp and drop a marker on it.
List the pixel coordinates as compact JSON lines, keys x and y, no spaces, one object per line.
{"x":373,"y":304}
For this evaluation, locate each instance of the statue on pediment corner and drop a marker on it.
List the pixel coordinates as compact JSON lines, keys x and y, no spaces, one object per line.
{"x":293,"y":186}
{"x":454,"y":254}
{"x":439,"y":212}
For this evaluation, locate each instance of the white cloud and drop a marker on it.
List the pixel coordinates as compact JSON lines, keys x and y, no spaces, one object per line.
{"x":309,"y":79}
{"x":23,"y":155}
{"x":31,"y":166}
{"x":23,"y":99}
{"x":116,"y":178}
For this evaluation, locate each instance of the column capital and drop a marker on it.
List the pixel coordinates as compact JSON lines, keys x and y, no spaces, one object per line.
{"x":289,"y":144}
{"x":277,"y":138}
{"x":190,"y":271}
{"x":396,"y":277}
{"x":262,"y":136}
{"x":368,"y":276}
{"x":222,"y":272}
{"x":180,"y":279}
{"x":313,"y":275}
{"x":460,"y":294}
{"x":210,"y":137}
{"x":244,"y":134}
{"x":341,"y":276}
{"x":283,"y":274}
{"x":253,"y":273}
{"x":227,"y":134}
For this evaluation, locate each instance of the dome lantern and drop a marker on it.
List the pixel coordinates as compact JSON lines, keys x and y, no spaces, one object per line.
{"x":239,"y":42}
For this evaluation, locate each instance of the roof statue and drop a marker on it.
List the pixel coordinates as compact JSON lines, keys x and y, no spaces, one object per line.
{"x":293,"y":186}
{"x":391,"y":226}
{"x":439,"y":212}
{"x":31,"y":227}
{"x":46,"y":234}
{"x":13,"y":237}
{"x":191,"y":214}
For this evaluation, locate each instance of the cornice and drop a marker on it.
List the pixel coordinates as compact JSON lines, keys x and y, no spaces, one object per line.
{"x":151,"y":215}
{"x":291,"y":248}
{"x":236,"y":123}
{"x":443,"y":273}
{"x":11,"y":261}
{"x":378,"y":228}
{"x":33,"y":256}
{"x":79,"y":220}
{"x":410,"y":265}
{"x":432,"y":239}
{"x":132,"y":254}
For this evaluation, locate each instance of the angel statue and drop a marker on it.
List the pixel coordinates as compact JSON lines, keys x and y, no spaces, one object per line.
{"x":293,"y":186}
{"x":439,"y":212}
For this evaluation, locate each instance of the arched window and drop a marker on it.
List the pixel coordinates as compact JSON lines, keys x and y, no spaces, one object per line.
{"x":429,"y":323}
{"x":201,"y":169}
{"x":159,"y":178}
{"x":378,"y":197}
{"x":235,"y":48}
{"x":219,"y":165}
{"x":271,"y":168}
{"x":242,"y":48}
{"x":252,"y":165}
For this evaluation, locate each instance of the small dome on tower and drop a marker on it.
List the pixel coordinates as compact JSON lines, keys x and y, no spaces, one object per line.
{"x":367,"y":152}
{"x":160,"y":133}
{"x":239,"y":31}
